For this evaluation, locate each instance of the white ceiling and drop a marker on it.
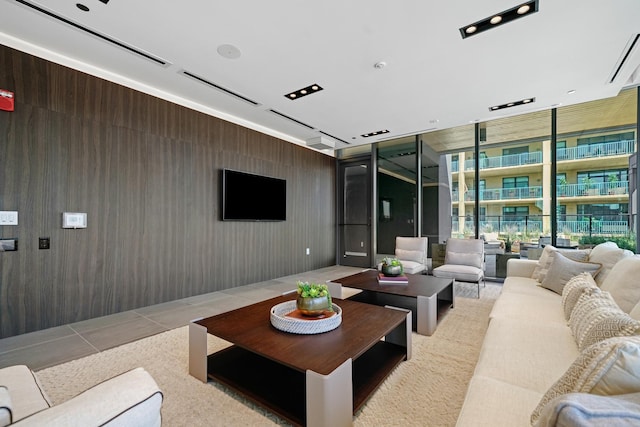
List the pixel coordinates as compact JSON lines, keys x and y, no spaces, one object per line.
{"x":433,"y":79}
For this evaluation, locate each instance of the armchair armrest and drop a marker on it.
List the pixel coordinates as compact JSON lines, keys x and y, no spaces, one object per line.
{"x":521,"y":267}
{"x":130,"y":399}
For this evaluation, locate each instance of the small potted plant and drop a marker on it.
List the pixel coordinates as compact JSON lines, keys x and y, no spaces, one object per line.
{"x":313,"y":299}
{"x":391,"y":267}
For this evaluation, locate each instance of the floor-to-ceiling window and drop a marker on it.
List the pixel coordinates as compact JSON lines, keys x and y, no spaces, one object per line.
{"x":593,"y":161}
{"x":521,"y":188}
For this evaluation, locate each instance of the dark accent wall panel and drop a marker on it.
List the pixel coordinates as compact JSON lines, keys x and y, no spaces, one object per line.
{"x":147,"y":173}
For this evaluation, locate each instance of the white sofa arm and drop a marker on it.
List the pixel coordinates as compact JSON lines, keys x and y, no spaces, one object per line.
{"x":521,"y":267}
{"x":130,"y":399}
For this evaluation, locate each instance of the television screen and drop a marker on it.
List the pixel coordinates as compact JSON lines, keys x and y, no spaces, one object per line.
{"x":249,"y":197}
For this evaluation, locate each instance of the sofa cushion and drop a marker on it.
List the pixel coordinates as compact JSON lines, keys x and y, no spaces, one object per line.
{"x":412,"y":267}
{"x":517,"y":351}
{"x":623,"y":284}
{"x":535,"y":308}
{"x":494,"y":403}
{"x":609,"y":367}
{"x":6,"y":408}
{"x":527,"y":286}
{"x":583,"y":282}
{"x":27,"y":396}
{"x":608,"y":254}
{"x":596,"y":317}
{"x":588,"y":410}
{"x":129,"y":399}
{"x":406,"y":255}
{"x":463,"y":273}
{"x":562,"y":269}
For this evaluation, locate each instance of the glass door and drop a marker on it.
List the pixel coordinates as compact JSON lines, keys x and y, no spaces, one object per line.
{"x":354,"y":218}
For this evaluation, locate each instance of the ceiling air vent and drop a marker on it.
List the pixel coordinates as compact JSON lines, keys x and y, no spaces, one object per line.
{"x":94,"y":33}
{"x":632,"y":45}
{"x":320,"y":143}
{"x":284,"y":116}
{"x":220,"y":88}
{"x":337,"y":139}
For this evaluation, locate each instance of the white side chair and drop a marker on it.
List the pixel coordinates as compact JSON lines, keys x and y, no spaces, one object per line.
{"x":463,"y":261}
{"x":412,"y":253}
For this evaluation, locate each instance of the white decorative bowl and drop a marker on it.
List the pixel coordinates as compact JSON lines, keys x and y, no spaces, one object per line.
{"x":281,"y":321}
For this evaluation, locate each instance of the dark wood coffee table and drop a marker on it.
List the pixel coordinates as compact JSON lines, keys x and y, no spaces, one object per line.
{"x":426,"y":296}
{"x":315,"y":380}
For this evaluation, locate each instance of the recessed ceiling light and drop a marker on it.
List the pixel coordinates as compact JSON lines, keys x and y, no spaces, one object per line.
{"x":304,"y":91}
{"x":498,"y":19}
{"x":571,"y":92}
{"x":523,"y":9}
{"x":512,"y":104}
{"x":82,"y":7}
{"x":378,"y":132}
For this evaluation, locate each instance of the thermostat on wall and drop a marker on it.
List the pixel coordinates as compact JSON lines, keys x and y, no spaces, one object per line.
{"x":74,"y":220}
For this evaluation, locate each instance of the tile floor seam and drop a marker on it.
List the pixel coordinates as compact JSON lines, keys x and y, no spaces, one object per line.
{"x":40,"y":342}
{"x":85,"y":340}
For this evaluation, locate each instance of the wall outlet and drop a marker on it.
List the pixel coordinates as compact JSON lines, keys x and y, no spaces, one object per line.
{"x":307,"y":251}
{"x":44,"y":243}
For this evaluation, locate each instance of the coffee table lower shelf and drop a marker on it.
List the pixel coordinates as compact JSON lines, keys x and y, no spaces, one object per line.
{"x":282,"y":390}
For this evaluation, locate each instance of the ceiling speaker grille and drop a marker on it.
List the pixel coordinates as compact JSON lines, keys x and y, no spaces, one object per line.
{"x":94,"y":33}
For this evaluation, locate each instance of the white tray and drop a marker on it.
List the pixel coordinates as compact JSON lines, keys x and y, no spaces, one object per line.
{"x":280,"y":321}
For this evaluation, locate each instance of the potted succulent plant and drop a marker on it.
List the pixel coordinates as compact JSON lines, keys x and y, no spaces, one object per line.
{"x":313,"y":299}
{"x":391,"y":267}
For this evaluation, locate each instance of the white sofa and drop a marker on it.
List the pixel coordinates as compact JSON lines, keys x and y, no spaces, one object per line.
{"x":530,"y":360}
{"x":130,"y":399}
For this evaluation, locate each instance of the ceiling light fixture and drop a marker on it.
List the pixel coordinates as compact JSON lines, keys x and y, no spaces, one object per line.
{"x":82,"y":7}
{"x":501,"y":18}
{"x":512,"y":104}
{"x":304,"y":92}
{"x":379,"y":132}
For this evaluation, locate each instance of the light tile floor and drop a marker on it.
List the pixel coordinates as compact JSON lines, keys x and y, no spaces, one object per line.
{"x":53,"y":346}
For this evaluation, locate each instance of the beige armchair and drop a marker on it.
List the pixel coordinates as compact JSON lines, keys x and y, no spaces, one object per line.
{"x":463,"y":261}
{"x":412,"y":253}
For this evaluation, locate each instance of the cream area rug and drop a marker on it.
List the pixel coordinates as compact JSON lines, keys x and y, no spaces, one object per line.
{"x":427,"y":390}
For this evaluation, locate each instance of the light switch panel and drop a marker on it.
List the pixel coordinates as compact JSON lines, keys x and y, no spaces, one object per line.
{"x":74,"y":220}
{"x":8,"y":217}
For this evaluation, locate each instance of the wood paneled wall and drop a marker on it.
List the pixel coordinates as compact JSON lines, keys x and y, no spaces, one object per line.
{"x":147,"y":173}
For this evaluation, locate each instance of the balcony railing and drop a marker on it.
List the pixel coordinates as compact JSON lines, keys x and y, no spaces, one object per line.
{"x":575,"y":225}
{"x":564,"y":190}
{"x":573,"y":153}
{"x":595,"y":189}
{"x":596,"y":150}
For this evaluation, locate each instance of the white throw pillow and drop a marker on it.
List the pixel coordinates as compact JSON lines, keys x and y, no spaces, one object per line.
{"x":545,"y":260}
{"x":608,"y":254}
{"x":563,"y":269}
{"x":543,"y":264}
{"x":609,"y":367}
{"x":574,"y":289}
{"x":623,"y":283}
{"x":597,"y":317}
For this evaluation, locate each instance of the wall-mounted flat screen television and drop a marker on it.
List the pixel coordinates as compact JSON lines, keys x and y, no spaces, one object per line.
{"x":250,"y":197}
